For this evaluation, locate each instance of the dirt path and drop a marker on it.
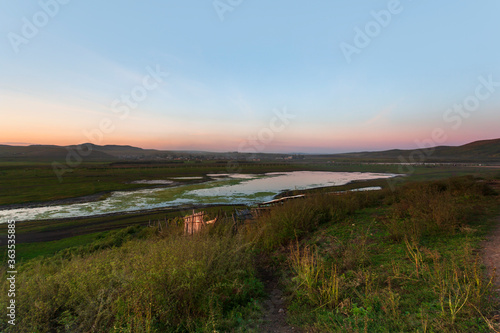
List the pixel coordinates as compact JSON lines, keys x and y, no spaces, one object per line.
{"x":274,"y":308}
{"x":275,"y":313}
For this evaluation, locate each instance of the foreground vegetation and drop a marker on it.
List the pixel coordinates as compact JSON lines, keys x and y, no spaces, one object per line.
{"x":401,"y":261}
{"x":410,"y":265}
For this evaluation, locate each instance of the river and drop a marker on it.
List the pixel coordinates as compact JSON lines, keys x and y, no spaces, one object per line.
{"x":222,"y":189}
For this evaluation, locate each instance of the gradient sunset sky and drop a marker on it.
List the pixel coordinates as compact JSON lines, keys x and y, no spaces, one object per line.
{"x":232,"y":64}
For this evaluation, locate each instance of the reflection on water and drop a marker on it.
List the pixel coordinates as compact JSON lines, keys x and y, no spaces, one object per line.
{"x":276,"y":182}
{"x":224,"y":189}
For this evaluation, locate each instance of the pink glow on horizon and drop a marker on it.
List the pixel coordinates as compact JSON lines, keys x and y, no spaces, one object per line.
{"x":38,"y":121}
{"x":225,"y":144}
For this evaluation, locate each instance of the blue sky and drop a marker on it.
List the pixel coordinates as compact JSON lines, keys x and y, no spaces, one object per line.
{"x":228,"y":77}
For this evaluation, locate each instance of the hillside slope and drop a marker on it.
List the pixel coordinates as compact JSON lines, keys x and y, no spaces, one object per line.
{"x":46,"y":153}
{"x":478,"y":151}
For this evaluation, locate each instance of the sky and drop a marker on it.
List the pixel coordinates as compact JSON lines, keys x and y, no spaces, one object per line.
{"x":238,"y":75}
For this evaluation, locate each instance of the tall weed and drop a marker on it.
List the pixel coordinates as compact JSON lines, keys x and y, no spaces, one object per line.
{"x":155,"y":285}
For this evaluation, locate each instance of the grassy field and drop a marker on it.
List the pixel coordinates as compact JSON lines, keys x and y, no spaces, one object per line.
{"x":403,"y":261}
{"x":96,"y":240}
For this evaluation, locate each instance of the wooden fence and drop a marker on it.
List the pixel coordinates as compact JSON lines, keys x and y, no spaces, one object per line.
{"x":193,"y":223}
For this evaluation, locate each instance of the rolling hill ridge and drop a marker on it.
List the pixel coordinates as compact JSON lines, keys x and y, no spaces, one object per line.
{"x":483,"y":151}
{"x":477,"y":151}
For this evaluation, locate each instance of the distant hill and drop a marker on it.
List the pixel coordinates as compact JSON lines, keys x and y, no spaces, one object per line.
{"x":485,"y":151}
{"x":44,"y":153}
{"x":108,"y":153}
{"x":477,"y":151}
{"x":118,"y":151}
{"x":58,"y":153}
